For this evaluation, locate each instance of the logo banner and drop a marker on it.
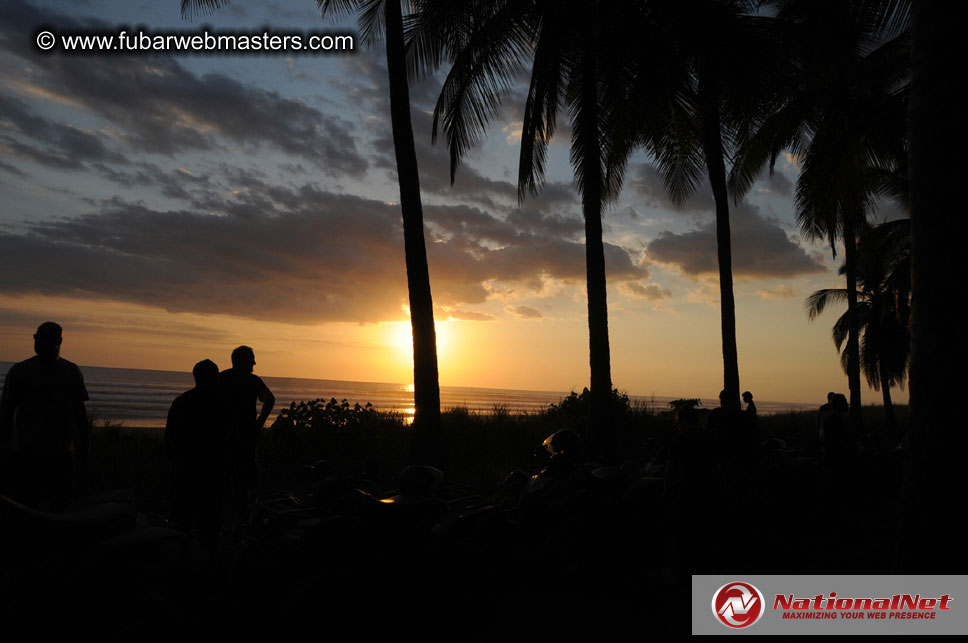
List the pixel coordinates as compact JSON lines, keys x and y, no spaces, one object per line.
{"x":835,"y":604}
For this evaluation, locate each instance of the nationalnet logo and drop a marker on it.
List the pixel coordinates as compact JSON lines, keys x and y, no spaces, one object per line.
{"x":896,"y":607}
{"x":737,"y":605}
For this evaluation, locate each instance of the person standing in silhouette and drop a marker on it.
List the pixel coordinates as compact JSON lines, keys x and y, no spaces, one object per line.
{"x":823,"y":414}
{"x":44,"y":422}
{"x":722,"y":421}
{"x":837,"y":440}
{"x":750,"y":411}
{"x":197,"y":437}
{"x":242,"y":389}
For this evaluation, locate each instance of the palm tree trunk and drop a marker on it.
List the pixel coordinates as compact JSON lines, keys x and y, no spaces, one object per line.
{"x":426,"y":387}
{"x":853,"y":328}
{"x":939,"y":345}
{"x":889,"y":419}
{"x":600,"y":416}
{"x":713,"y":149}
{"x":874,"y":336}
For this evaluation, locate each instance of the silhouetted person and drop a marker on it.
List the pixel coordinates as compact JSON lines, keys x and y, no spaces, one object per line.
{"x":736,"y":442}
{"x":197,"y":440}
{"x":750,"y":411}
{"x":43,"y":419}
{"x":836,"y":440}
{"x":242,"y":389}
{"x":723,"y":422}
{"x":823,"y":413}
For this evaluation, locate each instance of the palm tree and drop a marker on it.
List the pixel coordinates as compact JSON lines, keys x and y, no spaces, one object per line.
{"x":724,"y":59}
{"x":575,"y":47}
{"x":384,"y":18}
{"x":843,"y":114}
{"x":883,"y":309}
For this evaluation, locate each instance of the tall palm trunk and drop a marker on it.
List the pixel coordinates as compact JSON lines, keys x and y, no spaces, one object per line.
{"x":889,"y":419}
{"x":875,"y":336}
{"x":713,"y":149}
{"x":939,"y":345}
{"x":853,"y":327}
{"x":426,"y":393}
{"x":600,"y":417}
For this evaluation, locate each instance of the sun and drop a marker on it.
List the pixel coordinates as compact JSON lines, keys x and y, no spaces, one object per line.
{"x":400,"y":337}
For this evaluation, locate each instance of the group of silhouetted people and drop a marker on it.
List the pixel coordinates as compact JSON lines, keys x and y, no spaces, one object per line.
{"x":210,"y":435}
{"x":833,"y":431}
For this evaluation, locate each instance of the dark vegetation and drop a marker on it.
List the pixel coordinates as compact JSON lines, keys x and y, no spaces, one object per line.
{"x":481,"y":449}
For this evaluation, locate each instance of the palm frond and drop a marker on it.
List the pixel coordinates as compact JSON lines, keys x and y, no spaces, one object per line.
{"x":818,"y":301}
{"x":763,"y":147}
{"x":437,"y":31}
{"x":371,"y":19}
{"x":677,"y":149}
{"x":545,"y":95}
{"x":482,"y":71}
{"x":338,"y":8}
{"x":191,"y":8}
{"x":839,"y":333}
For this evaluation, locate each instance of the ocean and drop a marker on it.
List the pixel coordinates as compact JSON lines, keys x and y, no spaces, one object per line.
{"x":140,"y":398}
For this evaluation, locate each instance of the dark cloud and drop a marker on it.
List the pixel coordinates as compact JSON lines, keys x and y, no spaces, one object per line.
{"x":63,"y":147}
{"x":524,"y":312}
{"x":472,"y":225}
{"x":760,"y":248}
{"x":646,"y":182}
{"x":652,"y":292}
{"x":163,"y":108}
{"x":57,"y":161}
{"x":490,"y":248}
{"x":778,"y":184}
{"x":6,"y":167}
{"x":21,"y":324}
{"x":179,"y":183}
{"x":299,"y":255}
{"x":468,"y":315}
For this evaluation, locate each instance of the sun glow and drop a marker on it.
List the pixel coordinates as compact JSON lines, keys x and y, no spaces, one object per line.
{"x":400,"y":337}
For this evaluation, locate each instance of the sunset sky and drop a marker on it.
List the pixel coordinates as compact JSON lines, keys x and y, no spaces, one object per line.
{"x":168,"y":208}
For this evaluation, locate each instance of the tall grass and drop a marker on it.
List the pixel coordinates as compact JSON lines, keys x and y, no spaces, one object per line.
{"x":479,"y":449}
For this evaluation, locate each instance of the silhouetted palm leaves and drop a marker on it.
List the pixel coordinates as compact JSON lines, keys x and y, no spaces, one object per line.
{"x":576,"y":50}
{"x":883,"y":308}
{"x":841,"y":112}
{"x":383,"y":19}
{"x":720,"y":60}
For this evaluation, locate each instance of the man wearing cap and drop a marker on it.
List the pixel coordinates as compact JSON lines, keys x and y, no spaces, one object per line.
{"x":243,"y":389}
{"x":44,"y":422}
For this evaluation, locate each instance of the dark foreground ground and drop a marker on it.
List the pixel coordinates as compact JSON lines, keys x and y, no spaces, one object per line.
{"x":568,"y":548}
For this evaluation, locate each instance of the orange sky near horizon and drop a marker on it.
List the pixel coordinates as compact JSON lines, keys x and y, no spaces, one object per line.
{"x":659,"y":357}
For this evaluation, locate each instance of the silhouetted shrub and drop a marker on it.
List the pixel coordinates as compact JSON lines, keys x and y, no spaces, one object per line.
{"x":319,"y":415}
{"x":685,"y":403}
{"x":576,"y":404}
